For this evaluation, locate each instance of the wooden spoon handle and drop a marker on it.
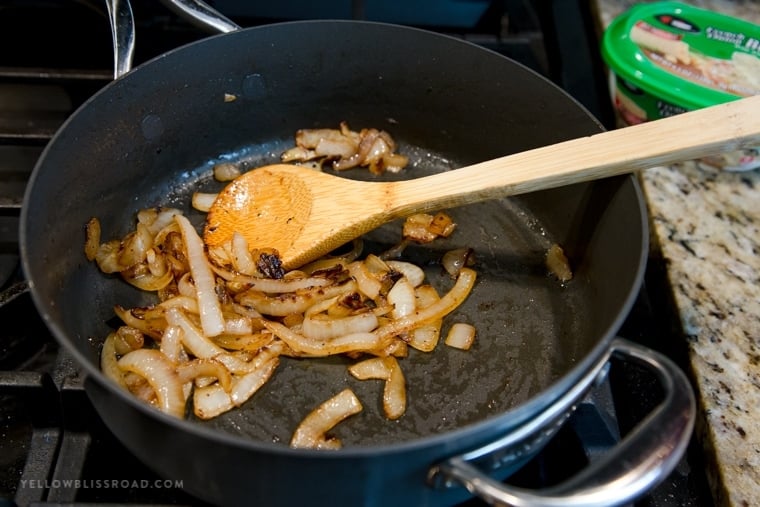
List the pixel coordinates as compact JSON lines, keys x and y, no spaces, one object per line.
{"x":726,"y":127}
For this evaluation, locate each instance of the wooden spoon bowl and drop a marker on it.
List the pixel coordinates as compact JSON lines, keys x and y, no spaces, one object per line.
{"x":305,"y":213}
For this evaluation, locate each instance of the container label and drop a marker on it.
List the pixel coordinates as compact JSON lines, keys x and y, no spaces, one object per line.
{"x":732,"y":66}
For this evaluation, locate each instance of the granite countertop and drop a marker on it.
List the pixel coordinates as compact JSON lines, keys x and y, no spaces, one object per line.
{"x":706,"y":224}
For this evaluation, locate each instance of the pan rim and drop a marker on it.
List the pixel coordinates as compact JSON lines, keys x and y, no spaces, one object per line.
{"x":487,"y":426}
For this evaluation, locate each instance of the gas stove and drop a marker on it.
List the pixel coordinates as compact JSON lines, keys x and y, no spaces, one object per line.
{"x":54,"y":449}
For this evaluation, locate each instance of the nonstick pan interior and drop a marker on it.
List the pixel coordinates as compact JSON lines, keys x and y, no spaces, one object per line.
{"x":160,"y":129}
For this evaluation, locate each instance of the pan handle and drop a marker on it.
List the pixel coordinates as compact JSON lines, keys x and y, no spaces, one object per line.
{"x":640,"y":461}
{"x":123,"y":26}
{"x":201,"y":15}
{"x":123,"y":35}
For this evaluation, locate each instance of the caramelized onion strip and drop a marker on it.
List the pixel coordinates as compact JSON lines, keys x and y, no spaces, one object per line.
{"x":152,"y":329}
{"x":394,"y":391}
{"x":426,"y":336}
{"x":191,"y":370}
{"x":296,"y":302}
{"x":450,"y":301}
{"x":212,"y":321}
{"x":211,"y":401}
{"x":109,"y":361}
{"x":312,"y":431}
{"x":317,"y":326}
{"x":246,"y":386}
{"x":355,"y":342}
{"x":154,"y":367}
{"x":192,"y":337}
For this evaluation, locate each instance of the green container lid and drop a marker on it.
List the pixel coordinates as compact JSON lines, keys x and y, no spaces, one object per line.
{"x":688,"y":57}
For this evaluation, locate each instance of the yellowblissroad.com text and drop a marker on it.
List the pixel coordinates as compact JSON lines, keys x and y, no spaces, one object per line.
{"x":100,"y":484}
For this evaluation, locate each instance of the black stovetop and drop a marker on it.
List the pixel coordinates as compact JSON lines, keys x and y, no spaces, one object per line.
{"x":54,"y":449}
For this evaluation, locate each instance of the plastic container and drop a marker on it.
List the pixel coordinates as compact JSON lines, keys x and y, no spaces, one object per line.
{"x":666,"y":58}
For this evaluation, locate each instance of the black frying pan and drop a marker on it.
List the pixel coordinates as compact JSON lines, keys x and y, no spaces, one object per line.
{"x":151,"y":137}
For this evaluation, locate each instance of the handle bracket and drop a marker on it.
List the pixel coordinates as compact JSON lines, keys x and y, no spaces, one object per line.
{"x":644,"y":457}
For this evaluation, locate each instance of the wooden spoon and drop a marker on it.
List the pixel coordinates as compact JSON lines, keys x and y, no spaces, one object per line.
{"x":305,"y":214}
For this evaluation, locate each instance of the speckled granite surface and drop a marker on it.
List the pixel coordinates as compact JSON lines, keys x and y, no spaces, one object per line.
{"x":706,"y":222}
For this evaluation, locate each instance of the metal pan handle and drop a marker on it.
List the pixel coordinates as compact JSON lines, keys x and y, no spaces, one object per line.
{"x":123,"y":35}
{"x":640,"y":461}
{"x":201,"y":15}
{"x":122,"y":23}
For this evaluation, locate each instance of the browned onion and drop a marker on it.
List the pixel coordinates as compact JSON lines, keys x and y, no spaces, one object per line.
{"x":312,"y":431}
{"x":454,"y":260}
{"x":293,"y":302}
{"x":460,"y":336}
{"x":210,"y":310}
{"x":456,"y":296}
{"x":92,"y":238}
{"x":354,"y":342}
{"x":159,"y":372}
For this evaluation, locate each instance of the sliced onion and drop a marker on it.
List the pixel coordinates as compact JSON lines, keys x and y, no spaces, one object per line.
{"x":249,"y":342}
{"x":212,"y":321}
{"x":317,"y":326}
{"x":153,"y":329}
{"x":92,"y":238}
{"x":366,"y":282}
{"x":154,"y":367}
{"x":186,"y":287}
{"x":238,"y":324}
{"x":395,"y":162}
{"x":425,"y":337}
{"x":243,"y":366}
{"x":558,"y":264}
{"x":157,"y":219}
{"x":372,"y":368}
{"x":191,"y":370}
{"x":211,"y":401}
{"x":171,"y":344}
{"x":187,"y":303}
{"x":401,"y":296}
{"x":156,"y":263}
{"x":135,"y":246}
{"x":411,"y":272}
{"x":246,"y":311}
{"x":460,"y":336}
{"x":272,"y":285}
{"x":312,"y":431}
{"x":109,"y":364}
{"x":192,"y":337}
{"x":455,"y":260}
{"x":297,"y":153}
{"x":286,"y":304}
{"x":445,"y":305}
{"x":242,"y":260}
{"x":341,"y":147}
{"x":247,"y":385}
{"x":355,"y":342}
{"x":202,"y":201}
{"x":127,"y":339}
{"x":226,"y":171}
{"x":442,"y":225}
{"x":417,"y":228}
{"x":107,"y":257}
{"x":149,"y":282}
{"x":385,"y":368}
{"x":394,"y":391}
